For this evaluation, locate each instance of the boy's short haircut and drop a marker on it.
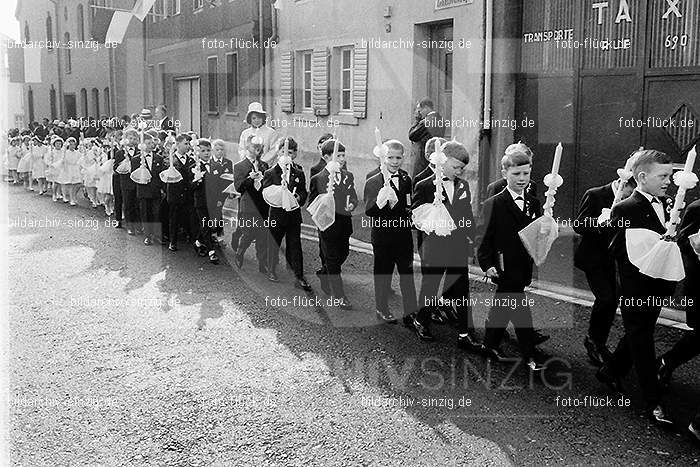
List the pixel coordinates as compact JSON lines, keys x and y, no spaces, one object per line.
{"x":395,"y":145}
{"x":430,"y":145}
{"x":426,"y":102}
{"x":183,"y":137}
{"x":515,"y":159}
{"x":249,"y":140}
{"x":148,"y":137}
{"x":219,"y":142}
{"x":520,"y":147}
{"x":324,"y":138}
{"x":644,"y":160}
{"x":457,"y":151}
{"x":291,"y":145}
{"x":204,"y":142}
{"x":131,"y":131}
{"x":327,"y":148}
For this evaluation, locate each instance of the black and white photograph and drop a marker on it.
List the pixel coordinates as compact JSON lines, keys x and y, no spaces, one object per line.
{"x":349,"y":233}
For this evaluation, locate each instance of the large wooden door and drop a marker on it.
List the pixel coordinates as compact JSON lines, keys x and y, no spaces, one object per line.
{"x":440,"y":70}
{"x":188,"y":104}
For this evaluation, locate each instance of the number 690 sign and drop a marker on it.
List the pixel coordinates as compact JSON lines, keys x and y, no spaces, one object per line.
{"x":672,"y":42}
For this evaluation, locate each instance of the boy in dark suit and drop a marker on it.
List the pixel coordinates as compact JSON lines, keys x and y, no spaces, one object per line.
{"x":499,"y":185}
{"x":688,"y":347}
{"x":205,"y":191}
{"x":429,"y":170}
{"x":286,"y":224}
{"x":252,"y":208}
{"x":149,"y":195}
{"x":179,"y":195}
{"x":220,"y":165}
{"x":335,"y":240}
{"x":392,"y":242}
{"x":447,"y":256}
{"x":323,"y":160}
{"x":592,"y":257}
{"x":505,"y":260}
{"x":640,"y":295}
{"x":127,"y":187}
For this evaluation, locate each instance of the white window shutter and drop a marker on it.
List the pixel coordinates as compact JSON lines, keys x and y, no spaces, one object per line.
{"x":319,"y":73}
{"x":287,"y":82}
{"x":359,"y":83}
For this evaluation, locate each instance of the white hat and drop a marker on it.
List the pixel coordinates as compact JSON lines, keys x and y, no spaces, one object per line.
{"x":73,"y":123}
{"x":146,"y":114}
{"x":255,"y":107}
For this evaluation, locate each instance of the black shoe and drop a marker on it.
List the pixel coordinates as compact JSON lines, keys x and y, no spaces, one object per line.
{"x":538,"y":338}
{"x":345,"y":304}
{"x":449,"y":312}
{"x":172,"y":247}
{"x":130,"y":232}
{"x":594,"y":352}
{"x":301,"y":283}
{"x":437,"y":316}
{"x":607,"y":378}
{"x":147,"y":241}
{"x":272,"y":276}
{"x":694,"y":432}
{"x":422,"y":331}
{"x":469,"y":343}
{"x":238,"y":260}
{"x":213,"y":259}
{"x":533,"y":365}
{"x":665,"y":373}
{"x":385,"y":316}
{"x":118,"y":225}
{"x":494,"y":354}
{"x":408,"y":321}
{"x":657,"y":416}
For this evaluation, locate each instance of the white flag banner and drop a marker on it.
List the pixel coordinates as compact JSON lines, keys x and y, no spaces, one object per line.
{"x":142,"y":8}
{"x":118,"y":26}
{"x":32,"y":65}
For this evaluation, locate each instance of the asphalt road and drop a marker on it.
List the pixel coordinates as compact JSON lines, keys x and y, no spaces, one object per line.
{"x":123,"y":354}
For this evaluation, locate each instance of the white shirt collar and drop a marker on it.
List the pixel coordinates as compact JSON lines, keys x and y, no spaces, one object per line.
{"x":514,"y":194}
{"x":646,"y":195}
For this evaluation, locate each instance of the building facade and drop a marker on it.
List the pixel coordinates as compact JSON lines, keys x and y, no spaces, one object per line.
{"x":11,"y":89}
{"x":79,"y":77}
{"x":348,"y":67}
{"x":206,"y":61}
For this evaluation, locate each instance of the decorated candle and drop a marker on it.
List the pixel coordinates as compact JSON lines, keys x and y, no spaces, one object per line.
{"x":557,"y":159}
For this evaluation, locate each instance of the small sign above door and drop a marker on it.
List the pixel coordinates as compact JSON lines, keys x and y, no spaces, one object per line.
{"x":442,"y":4}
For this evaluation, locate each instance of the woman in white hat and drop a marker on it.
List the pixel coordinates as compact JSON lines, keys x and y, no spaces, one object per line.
{"x":257,"y":119}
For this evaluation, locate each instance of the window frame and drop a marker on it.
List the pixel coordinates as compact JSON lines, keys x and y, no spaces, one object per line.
{"x":304,"y":73}
{"x":351,"y":70}
{"x":213,"y":91}
{"x":232,"y":91}
{"x":68,"y":60}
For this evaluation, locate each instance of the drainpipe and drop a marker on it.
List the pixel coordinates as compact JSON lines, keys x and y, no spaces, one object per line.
{"x":61,"y":110}
{"x":485,"y":140}
{"x":261,"y":80}
{"x":270,"y":60}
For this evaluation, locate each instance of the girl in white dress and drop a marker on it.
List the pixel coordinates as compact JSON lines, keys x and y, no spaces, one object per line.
{"x":39,"y":166}
{"x":104,"y":182}
{"x":69,"y":175}
{"x":88,"y":169}
{"x":55,"y":165}
{"x":24,"y":167}
{"x":13,"y":156}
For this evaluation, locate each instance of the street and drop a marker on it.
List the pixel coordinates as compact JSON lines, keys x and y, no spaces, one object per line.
{"x":124,"y":354}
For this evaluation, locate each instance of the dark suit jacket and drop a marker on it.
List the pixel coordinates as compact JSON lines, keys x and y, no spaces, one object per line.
{"x":496,"y":187}
{"x":225,"y":166}
{"x":205,"y":192}
{"x":419,"y":134}
{"x":320,"y":165}
{"x":690,"y":224}
{"x":343,"y":219}
{"x":500,"y":223}
{"x":251,"y":202}
{"x":125,"y":181}
{"x":167,"y":124}
{"x":372,"y":173}
{"x":455,"y":249}
{"x":632,"y":213}
{"x":398,"y":229}
{"x":151,"y":190}
{"x":592,"y":252}
{"x":297,"y":180}
{"x":425,"y":173}
{"x":180,"y":192}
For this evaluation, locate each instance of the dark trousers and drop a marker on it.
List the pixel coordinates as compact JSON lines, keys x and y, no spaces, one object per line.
{"x":117,"y":190}
{"x":149,"y":210}
{"x":688,"y":347}
{"x":386,"y":257}
{"x":291,"y":233}
{"x":602,"y":284}
{"x":203,"y":227}
{"x":217,"y":219}
{"x":180,"y":215}
{"x":164,"y":218}
{"x":455,"y":288}
{"x":130,"y":208}
{"x":320,"y":254}
{"x":253,"y":229}
{"x":335,"y":249}
{"x":510,"y":305}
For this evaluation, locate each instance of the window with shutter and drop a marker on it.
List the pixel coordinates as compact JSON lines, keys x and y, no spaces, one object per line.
{"x":287,"y":82}
{"x":359,"y":82}
{"x":320,"y":81}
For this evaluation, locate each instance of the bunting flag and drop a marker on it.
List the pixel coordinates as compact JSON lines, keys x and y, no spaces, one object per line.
{"x":142,"y":8}
{"x":118,"y":26}
{"x":32,"y":65}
